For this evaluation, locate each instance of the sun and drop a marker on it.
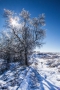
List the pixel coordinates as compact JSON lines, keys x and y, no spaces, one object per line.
{"x":13,"y":22}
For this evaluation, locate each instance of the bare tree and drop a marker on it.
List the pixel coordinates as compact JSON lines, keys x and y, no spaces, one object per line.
{"x":27,"y":32}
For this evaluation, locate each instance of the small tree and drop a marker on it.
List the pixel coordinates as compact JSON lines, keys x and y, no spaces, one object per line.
{"x":27,"y":32}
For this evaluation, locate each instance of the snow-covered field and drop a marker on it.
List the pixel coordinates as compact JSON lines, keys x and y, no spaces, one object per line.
{"x":42,"y":74}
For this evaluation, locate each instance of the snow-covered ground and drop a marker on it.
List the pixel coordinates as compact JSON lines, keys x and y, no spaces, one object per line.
{"x":42,"y":74}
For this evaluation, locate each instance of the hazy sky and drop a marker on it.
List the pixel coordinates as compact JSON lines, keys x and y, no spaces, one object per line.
{"x":51,"y":8}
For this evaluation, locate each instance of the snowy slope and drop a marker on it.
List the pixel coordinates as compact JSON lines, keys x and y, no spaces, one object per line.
{"x":42,"y":74}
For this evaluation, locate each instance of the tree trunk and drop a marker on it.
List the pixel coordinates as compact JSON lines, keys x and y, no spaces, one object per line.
{"x":8,"y":60}
{"x":26,"y":59}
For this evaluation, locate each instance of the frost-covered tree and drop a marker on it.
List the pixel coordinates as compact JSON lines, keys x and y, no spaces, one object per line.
{"x":27,"y":31}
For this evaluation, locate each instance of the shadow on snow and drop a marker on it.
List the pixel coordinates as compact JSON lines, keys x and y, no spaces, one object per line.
{"x":37,"y":82}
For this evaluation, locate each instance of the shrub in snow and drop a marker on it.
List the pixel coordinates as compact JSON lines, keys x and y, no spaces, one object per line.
{"x":3,"y":66}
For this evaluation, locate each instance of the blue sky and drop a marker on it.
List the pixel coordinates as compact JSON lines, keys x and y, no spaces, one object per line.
{"x":51,"y":8}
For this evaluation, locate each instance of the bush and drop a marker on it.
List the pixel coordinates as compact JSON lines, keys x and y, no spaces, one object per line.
{"x":3,"y":65}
